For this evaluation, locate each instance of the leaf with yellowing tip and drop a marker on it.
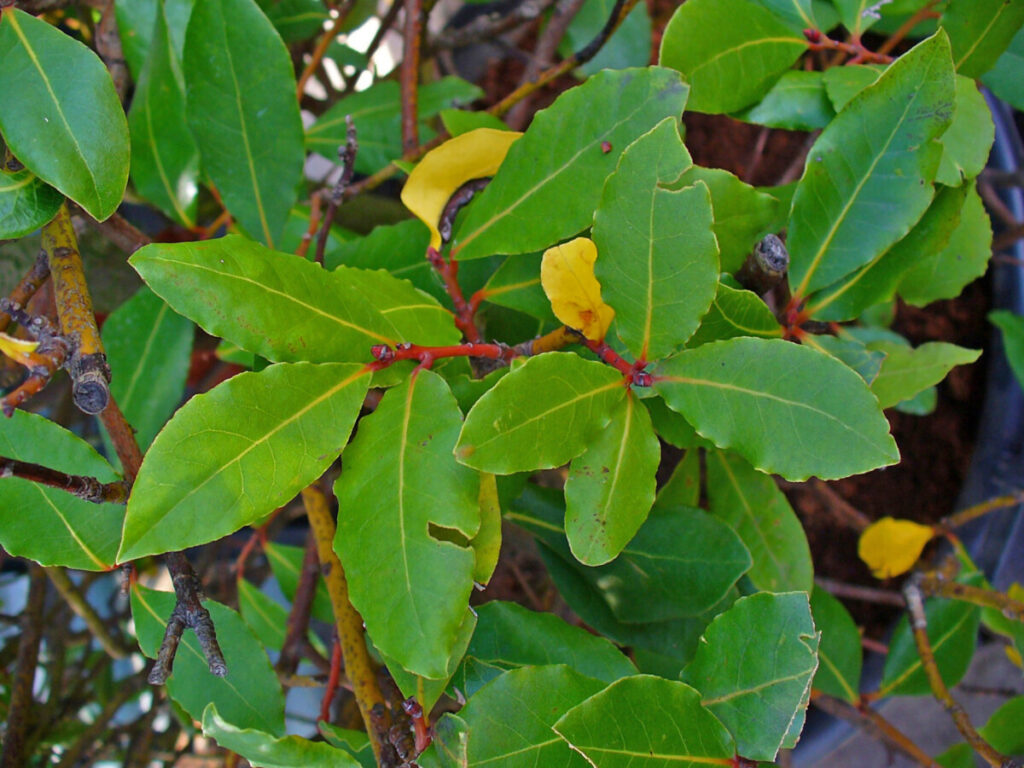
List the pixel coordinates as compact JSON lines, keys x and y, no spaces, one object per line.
{"x":473,"y":155}
{"x":891,"y":547}
{"x":17,"y":349}
{"x":567,"y":276}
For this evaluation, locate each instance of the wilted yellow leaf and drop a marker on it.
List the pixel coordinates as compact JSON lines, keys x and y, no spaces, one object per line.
{"x":567,"y":275}
{"x":17,"y":349}
{"x":473,"y":155}
{"x":891,"y":547}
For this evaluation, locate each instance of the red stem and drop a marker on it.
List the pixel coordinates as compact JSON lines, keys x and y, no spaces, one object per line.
{"x":464,"y":312}
{"x":426,"y":355}
{"x":332,"y":683}
{"x":634,"y":372}
{"x":860,"y":55}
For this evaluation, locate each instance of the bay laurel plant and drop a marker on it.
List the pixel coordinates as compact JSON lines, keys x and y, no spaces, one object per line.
{"x":568,"y":311}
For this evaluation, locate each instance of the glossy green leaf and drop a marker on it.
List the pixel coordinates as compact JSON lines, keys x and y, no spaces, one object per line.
{"x":868,"y":177}
{"x":1003,"y":729}
{"x":1004,"y":78}
{"x":356,"y":743}
{"x":657,"y":256}
{"x":611,"y":485}
{"x":26,"y":203}
{"x":953,"y":635}
{"x":646,"y":721}
{"x":249,"y":696}
{"x":739,"y":393}
{"x":758,"y":689}
{"x":263,"y":750}
{"x":60,"y":115}
{"x":510,"y":718}
{"x":880,"y":278}
{"x":399,"y":486}
{"x":796,"y":102}
{"x":759,"y":512}
{"x":980,"y":30}
{"x":148,"y":347}
{"x":672,"y":426}
{"x":857,"y":15}
{"x":377,"y":116}
{"x":843,"y":83}
{"x":905,"y":371}
{"x":1012,"y":328}
{"x":291,"y":308}
{"x":267,"y":618}
{"x":78,"y":533}
{"x":967,"y":142}
{"x":297,"y":20}
{"x":460,"y":121}
{"x":629,"y":45}
{"x":683,"y":486}
{"x":728,"y":65}
{"x":165,"y":158}
{"x":286,"y":565}
{"x":957,"y":756}
{"x":742,"y":214}
{"x":509,"y":636}
{"x":799,"y":14}
{"x":243,"y":449}
{"x":237,"y":68}
{"x":560,"y":165}
{"x":135,"y":24}
{"x":943,"y":273}
{"x":516,"y":285}
{"x":733,"y":313}
{"x":851,"y":352}
{"x":542,"y":414}
{"x":839,"y":653}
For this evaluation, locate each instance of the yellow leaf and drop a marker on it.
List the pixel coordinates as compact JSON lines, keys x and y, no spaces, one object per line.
{"x":567,"y":275}
{"x":891,"y":547}
{"x":17,"y":349}
{"x":473,"y":155}
{"x":1014,"y":656}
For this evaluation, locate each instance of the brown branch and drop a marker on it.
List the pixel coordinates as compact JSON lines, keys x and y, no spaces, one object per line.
{"x":321,"y":48}
{"x":765,"y":266}
{"x":919,"y":626}
{"x":86,"y":488}
{"x":935,"y":585}
{"x":560,"y":338}
{"x":359,"y":667}
{"x":925,"y":12}
{"x":45,"y":361}
{"x":302,"y":605}
{"x":857,"y":592}
{"x":981,"y":509}
{"x":844,"y":512}
{"x":816,"y":41}
{"x":19,"y":712}
{"x":117,"y":229}
{"x":347,"y":155}
{"x":108,"y":46}
{"x":872,"y":722}
{"x":87,"y":364}
{"x":409,"y":73}
{"x":27,"y":287}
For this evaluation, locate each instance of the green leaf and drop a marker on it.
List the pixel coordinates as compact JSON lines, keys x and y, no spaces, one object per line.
{"x":460,"y":121}
{"x":1004,"y":78}
{"x":542,"y":414}
{"x":728,"y":65}
{"x":943,"y":273}
{"x":165,"y":158}
{"x":377,"y":115}
{"x":1012,"y":328}
{"x":868,"y":177}
{"x":560,"y":165}
{"x":148,"y":348}
{"x":78,"y":533}
{"x":735,"y":313}
{"x":758,"y":689}
{"x":286,"y":565}
{"x":957,"y":756}
{"x":487,"y":542}
{"x":629,"y":45}
{"x":516,"y":285}
{"x":799,"y":14}
{"x":857,"y":15}
{"x":135,"y":23}
{"x":843,"y":83}
{"x":291,"y":309}
{"x":243,"y":449}
{"x":1003,"y":730}
{"x":966,"y":145}
{"x":400,"y":491}
{"x":742,"y":214}
{"x":953,"y":633}
{"x":980,"y":30}
{"x":905,"y":371}
{"x":646,"y":721}
{"x":682,"y":489}
{"x":356,"y":743}
{"x":759,"y":512}
{"x":267,"y":618}
{"x":796,"y":102}
{"x":428,"y":690}
{"x":237,"y":68}
{"x":851,"y":352}
{"x":509,"y":636}
{"x":26,"y":203}
{"x":657,"y":256}
{"x":249,"y":695}
{"x":739,"y":393}
{"x":880,"y":278}
{"x":610,"y":487}
{"x":839,"y":653}
{"x":263,"y":750}
{"x":672,"y":426}
{"x":60,"y":115}
{"x":510,"y":718}
{"x":298,"y":20}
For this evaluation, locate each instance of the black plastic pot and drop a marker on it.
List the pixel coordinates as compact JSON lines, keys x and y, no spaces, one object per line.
{"x":996,"y":541}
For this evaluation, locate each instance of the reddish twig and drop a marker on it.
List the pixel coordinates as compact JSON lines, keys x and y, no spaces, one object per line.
{"x":411,"y":34}
{"x":26,"y":287}
{"x":46,"y":360}
{"x":386,"y":356}
{"x":321,"y":48}
{"x":857,"y":592}
{"x":634,"y":372}
{"x":332,"y":678}
{"x":302,"y":609}
{"x":855,"y":49}
{"x":449,"y":271}
{"x":925,"y":12}
{"x":314,"y":225}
